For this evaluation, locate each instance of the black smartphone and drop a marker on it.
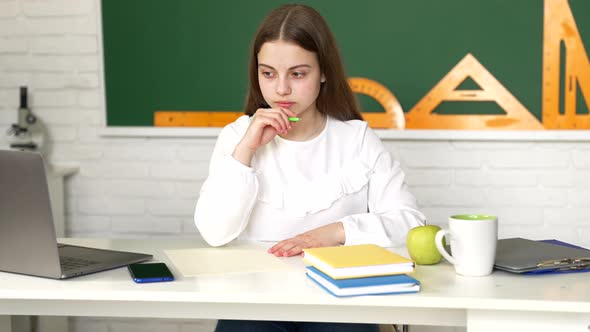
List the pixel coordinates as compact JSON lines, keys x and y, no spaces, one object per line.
{"x":150,"y":272}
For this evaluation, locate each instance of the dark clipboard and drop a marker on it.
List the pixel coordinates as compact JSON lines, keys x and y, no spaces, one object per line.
{"x":523,"y":256}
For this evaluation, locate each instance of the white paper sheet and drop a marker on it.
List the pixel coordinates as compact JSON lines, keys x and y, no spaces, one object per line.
{"x":193,"y":262}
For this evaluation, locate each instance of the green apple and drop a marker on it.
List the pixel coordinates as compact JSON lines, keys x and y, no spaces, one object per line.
{"x":421,"y":247}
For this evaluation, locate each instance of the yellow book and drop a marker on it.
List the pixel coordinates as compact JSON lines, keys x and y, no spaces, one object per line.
{"x":365,"y":260}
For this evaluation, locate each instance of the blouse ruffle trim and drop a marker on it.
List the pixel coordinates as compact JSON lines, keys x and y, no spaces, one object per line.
{"x":301,"y":198}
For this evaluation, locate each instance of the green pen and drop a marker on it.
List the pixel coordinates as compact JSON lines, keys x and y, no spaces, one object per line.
{"x":293,"y":119}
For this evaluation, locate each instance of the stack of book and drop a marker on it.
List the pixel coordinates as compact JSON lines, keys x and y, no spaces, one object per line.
{"x":360,"y":270}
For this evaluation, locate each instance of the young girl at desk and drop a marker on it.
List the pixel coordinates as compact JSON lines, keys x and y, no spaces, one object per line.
{"x":301,"y":167}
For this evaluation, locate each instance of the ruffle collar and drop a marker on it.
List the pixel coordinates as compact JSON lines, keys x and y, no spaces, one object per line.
{"x":301,"y":198}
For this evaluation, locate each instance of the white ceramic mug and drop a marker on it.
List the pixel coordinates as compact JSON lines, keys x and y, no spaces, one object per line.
{"x":473,"y":239}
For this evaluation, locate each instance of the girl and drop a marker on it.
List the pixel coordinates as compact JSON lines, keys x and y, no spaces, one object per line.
{"x":301,"y":167}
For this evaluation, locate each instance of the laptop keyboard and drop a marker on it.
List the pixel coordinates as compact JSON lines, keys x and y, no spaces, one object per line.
{"x":69,"y":263}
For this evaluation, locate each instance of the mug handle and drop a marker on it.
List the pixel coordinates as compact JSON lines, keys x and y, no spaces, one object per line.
{"x":438,"y":241}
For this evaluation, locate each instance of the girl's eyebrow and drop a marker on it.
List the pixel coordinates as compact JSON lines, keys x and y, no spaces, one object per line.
{"x":291,"y":68}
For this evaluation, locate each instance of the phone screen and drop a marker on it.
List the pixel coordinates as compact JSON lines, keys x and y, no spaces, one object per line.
{"x":150,"y":272}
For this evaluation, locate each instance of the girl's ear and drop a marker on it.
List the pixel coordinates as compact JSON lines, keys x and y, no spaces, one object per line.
{"x":323,"y":79}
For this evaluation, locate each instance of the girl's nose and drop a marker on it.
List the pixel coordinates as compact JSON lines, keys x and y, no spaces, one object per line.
{"x":283,"y":87}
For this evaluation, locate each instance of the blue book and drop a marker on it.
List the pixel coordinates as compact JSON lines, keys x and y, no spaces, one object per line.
{"x":391,"y":284}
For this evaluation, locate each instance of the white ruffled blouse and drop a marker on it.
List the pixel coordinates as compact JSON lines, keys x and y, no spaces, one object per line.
{"x":344,"y":174}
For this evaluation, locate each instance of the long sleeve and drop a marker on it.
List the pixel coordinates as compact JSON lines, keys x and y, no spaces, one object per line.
{"x":392,"y":209}
{"x":228,"y":194}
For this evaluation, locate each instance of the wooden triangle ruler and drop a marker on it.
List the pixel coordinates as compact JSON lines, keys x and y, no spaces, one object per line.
{"x":516,"y":117}
{"x":560,"y":27}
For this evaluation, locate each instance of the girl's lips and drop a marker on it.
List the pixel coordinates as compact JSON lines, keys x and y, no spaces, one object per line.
{"x":285,"y":104}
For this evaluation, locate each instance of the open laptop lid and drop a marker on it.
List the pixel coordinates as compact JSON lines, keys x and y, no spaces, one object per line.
{"x":27,"y":235}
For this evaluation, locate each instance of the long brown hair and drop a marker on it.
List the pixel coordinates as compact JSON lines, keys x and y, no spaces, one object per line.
{"x":304,"y":26}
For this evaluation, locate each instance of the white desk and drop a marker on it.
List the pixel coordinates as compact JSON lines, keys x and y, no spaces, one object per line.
{"x":500,"y":302}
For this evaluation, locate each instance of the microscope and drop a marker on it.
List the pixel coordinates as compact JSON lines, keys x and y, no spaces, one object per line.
{"x":21,"y":132}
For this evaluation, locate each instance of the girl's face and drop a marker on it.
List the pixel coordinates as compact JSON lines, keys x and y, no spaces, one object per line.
{"x":289,"y":76}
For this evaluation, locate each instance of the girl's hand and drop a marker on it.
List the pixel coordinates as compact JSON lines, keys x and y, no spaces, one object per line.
{"x":325,"y":236}
{"x":265,"y":125}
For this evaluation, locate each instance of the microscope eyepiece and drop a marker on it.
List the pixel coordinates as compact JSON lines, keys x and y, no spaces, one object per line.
{"x":23,"y":97}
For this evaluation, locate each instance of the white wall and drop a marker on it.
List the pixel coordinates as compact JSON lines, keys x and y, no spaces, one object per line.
{"x":147,"y":187}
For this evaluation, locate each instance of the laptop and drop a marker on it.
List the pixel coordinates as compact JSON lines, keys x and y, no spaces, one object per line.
{"x":28,"y":243}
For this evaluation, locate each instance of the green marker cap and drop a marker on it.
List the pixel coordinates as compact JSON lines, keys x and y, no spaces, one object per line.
{"x":293,"y":119}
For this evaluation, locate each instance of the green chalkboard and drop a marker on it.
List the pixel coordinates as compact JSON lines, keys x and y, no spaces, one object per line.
{"x":179,"y":55}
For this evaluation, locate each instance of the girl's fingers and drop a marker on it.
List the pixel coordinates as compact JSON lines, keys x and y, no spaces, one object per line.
{"x":284,"y":118}
{"x":289,"y":112}
{"x":296,"y":250}
{"x":283,"y":113}
{"x":279,"y":246}
{"x":272,"y":121}
{"x":276,"y":118}
{"x":276,"y":247}
{"x":288,"y":246}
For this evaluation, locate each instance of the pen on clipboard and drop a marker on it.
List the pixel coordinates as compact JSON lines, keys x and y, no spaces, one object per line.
{"x":567,"y":269}
{"x":565,"y":261}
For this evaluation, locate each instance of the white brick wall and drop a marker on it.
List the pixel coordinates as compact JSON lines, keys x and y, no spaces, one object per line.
{"x":143,"y":187}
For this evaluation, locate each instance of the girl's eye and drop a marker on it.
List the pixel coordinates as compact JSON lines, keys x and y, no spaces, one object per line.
{"x":267,"y":74}
{"x":298,"y":74}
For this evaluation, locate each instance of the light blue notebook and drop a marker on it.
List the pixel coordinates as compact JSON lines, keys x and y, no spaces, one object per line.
{"x":392,"y":284}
